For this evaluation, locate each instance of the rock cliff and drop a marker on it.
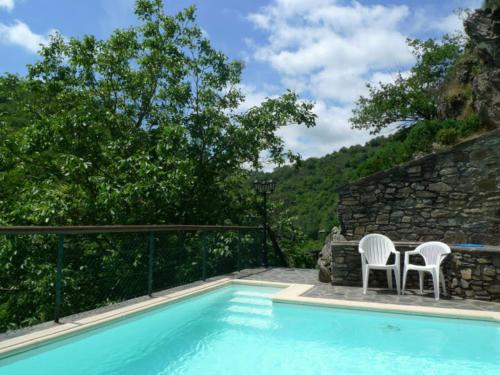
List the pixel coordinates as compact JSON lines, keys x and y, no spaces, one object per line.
{"x":483,"y":29}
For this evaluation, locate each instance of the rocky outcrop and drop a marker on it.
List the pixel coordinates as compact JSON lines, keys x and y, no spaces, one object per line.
{"x":483,"y":29}
{"x":486,"y":91}
{"x":325,"y":257}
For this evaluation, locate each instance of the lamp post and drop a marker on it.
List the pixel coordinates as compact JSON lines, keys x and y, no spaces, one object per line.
{"x":264,"y":188}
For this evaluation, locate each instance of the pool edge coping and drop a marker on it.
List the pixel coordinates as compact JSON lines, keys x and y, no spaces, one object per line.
{"x":36,"y":339}
{"x":294,"y":294}
{"x":291,"y":293}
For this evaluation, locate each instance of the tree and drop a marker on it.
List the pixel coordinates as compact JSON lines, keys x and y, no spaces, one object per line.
{"x":144,"y":127}
{"x":409,"y":98}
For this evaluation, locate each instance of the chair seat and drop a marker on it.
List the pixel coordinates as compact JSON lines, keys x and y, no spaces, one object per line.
{"x":382,"y":266}
{"x":417,"y":267}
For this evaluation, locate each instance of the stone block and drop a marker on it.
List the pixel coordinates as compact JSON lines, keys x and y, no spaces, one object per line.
{"x":440,"y":187}
{"x":382,"y":219}
{"x":489,"y":271}
{"x":494,"y":289}
{"x":466,"y":274}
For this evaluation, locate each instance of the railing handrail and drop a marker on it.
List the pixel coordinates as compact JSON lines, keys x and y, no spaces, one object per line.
{"x":82,"y":229}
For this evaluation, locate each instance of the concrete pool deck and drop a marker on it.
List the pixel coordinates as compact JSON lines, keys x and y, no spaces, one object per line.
{"x":299,"y":286}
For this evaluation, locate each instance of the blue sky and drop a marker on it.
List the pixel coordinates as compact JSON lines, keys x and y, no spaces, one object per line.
{"x":324,"y":49}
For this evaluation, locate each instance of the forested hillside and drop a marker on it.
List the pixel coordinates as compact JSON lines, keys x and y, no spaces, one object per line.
{"x":309,"y":191}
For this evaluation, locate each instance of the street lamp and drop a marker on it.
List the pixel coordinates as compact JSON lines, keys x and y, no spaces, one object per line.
{"x":264,"y":188}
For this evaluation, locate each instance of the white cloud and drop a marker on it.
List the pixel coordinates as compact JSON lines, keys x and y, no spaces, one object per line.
{"x":253,"y":97}
{"x":327,"y":51}
{"x":450,"y":24}
{"x":332,"y":132}
{"x":7,"y":4}
{"x":21,"y":35}
{"x":331,"y":47}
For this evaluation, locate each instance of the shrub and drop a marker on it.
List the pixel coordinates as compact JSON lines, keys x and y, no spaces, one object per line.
{"x":387,"y":157}
{"x":469,"y":125}
{"x":447,"y":136}
{"x":422,"y":135}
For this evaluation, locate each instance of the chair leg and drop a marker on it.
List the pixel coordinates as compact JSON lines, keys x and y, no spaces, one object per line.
{"x":366,"y":274}
{"x":421,"y":281}
{"x":435,"y":281}
{"x":443,"y":282}
{"x":397,"y":273}
{"x":389,"y":279}
{"x":405,"y":271}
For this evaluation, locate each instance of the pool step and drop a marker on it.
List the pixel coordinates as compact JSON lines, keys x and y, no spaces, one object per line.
{"x":242,"y":309}
{"x":242,"y":293}
{"x":251,"y":301}
{"x":249,"y":309}
{"x":243,"y":321}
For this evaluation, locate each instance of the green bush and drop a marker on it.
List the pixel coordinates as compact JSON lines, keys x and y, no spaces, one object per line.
{"x":387,"y":157}
{"x":469,"y":126}
{"x":401,"y":146}
{"x":422,"y":135}
{"x":447,"y":136}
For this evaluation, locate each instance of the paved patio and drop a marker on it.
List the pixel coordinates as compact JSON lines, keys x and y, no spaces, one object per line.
{"x":325,"y":290}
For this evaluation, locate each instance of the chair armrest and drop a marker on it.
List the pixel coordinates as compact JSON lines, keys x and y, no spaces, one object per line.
{"x":407,"y":256}
{"x":398,"y":258}
{"x":412,"y":252}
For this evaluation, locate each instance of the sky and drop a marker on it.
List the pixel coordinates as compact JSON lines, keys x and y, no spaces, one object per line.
{"x":325,"y":50}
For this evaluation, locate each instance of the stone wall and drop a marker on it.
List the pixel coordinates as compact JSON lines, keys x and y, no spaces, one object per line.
{"x":470,"y":273}
{"x":451,"y":196}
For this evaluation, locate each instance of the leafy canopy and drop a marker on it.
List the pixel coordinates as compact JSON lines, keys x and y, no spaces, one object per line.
{"x":143,"y":127}
{"x":411,"y":97}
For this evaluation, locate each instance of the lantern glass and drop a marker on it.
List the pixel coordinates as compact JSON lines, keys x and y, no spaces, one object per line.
{"x":264,"y":186}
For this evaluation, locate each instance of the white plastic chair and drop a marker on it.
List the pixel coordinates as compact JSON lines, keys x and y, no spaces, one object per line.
{"x":375,"y":250}
{"x":433,"y":254}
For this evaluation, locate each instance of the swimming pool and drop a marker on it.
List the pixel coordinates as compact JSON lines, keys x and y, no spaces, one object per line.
{"x":237,"y":329}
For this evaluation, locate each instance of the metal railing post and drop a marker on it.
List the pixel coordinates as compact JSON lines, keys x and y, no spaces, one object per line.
{"x":58,"y":284}
{"x":204,"y":262}
{"x":151,"y":262}
{"x":265,"y":260}
{"x":238,"y":252}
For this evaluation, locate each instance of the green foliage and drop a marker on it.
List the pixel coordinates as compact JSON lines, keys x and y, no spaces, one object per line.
{"x":142,"y":128}
{"x":409,"y":98}
{"x":388,"y":156}
{"x":417,"y":139}
{"x":447,"y":136}
{"x":309,"y":192}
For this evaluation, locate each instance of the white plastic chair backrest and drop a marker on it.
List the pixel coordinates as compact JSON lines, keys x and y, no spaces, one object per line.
{"x":376,"y":248}
{"x":433,"y":252}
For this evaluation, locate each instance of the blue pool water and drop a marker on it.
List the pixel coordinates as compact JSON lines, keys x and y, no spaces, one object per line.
{"x":238,"y":330}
